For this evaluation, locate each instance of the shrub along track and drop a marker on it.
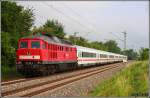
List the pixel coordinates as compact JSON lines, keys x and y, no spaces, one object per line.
{"x":54,"y":84}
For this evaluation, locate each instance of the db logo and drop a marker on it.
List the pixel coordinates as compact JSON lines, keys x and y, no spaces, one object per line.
{"x":28,"y":53}
{"x":67,"y":55}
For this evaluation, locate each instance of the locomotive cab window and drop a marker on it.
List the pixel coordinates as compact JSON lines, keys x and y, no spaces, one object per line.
{"x":35,"y":44}
{"x":24,"y":44}
{"x":44,"y":45}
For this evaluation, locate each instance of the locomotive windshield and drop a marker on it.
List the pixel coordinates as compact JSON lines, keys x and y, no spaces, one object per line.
{"x":35,"y":44}
{"x":24,"y":45}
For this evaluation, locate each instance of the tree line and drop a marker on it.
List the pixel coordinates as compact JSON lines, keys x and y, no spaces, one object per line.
{"x":17,"y":21}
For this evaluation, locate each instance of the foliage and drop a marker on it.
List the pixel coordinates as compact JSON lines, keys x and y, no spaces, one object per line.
{"x":9,"y":73}
{"x":8,"y":52}
{"x":144,"y":54}
{"x":52,"y":27}
{"x":132,"y":55}
{"x":98,"y":45}
{"x":111,"y":46}
{"x":129,"y":82}
{"x":15,"y":20}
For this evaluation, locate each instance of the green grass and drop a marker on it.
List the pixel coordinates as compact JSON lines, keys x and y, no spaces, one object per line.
{"x":8,"y":73}
{"x":130,"y":81}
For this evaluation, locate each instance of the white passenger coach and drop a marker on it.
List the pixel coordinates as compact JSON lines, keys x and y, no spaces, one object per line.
{"x":88,"y":56}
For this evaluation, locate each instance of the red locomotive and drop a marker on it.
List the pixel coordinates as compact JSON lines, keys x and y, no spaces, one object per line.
{"x":45,"y":54}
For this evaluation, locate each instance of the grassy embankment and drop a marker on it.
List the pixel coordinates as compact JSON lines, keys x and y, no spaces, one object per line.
{"x":130,"y":81}
{"x":8,"y":73}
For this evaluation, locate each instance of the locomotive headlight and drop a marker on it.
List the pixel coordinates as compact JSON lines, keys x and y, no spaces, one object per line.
{"x":19,"y":62}
{"x":38,"y":62}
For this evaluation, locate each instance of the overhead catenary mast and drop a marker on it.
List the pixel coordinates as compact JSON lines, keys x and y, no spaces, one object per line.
{"x":125,"y":36}
{"x":123,"y":40}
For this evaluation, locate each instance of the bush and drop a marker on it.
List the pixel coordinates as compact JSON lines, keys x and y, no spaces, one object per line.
{"x":9,"y":73}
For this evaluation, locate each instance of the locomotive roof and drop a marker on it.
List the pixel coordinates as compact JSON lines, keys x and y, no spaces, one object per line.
{"x":51,"y":39}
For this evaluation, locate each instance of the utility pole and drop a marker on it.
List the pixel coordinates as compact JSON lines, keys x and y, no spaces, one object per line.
{"x":125,"y":35}
{"x":75,"y":35}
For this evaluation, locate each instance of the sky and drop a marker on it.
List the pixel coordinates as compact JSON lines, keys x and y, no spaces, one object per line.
{"x":97,"y":20}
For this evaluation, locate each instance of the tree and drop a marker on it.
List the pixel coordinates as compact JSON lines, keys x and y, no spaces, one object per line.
{"x":15,"y":19}
{"x":8,"y":52}
{"x":98,"y":45}
{"x":132,"y":55}
{"x":51,"y":27}
{"x":144,"y":53}
{"x":111,"y":46}
{"x":15,"y":23}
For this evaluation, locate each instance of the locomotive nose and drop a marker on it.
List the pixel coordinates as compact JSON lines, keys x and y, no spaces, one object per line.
{"x":29,"y":49}
{"x":29,"y":54}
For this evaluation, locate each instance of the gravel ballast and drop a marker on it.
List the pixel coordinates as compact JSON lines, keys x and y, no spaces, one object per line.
{"x":43,"y":79}
{"x":81,"y":87}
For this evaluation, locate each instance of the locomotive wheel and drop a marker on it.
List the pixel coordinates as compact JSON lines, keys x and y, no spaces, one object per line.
{"x":53,"y":69}
{"x":75,"y":66}
{"x":43,"y":71}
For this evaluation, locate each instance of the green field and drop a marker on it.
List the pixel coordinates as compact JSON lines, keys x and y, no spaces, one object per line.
{"x":131,"y":81}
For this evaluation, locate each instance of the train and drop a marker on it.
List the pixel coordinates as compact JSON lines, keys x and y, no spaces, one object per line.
{"x":45,"y":54}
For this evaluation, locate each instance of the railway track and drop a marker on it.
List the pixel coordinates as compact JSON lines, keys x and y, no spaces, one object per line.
{"x":3,"y":83}
{"x":36,"y":89}
{"x":13,"y":81}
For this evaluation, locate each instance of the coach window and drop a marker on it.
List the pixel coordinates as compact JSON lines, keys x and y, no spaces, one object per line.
{"x":101,"y":55}
{"x":35,"y":44}
{"x":111,"y":56}
{"x":24,"y":44}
